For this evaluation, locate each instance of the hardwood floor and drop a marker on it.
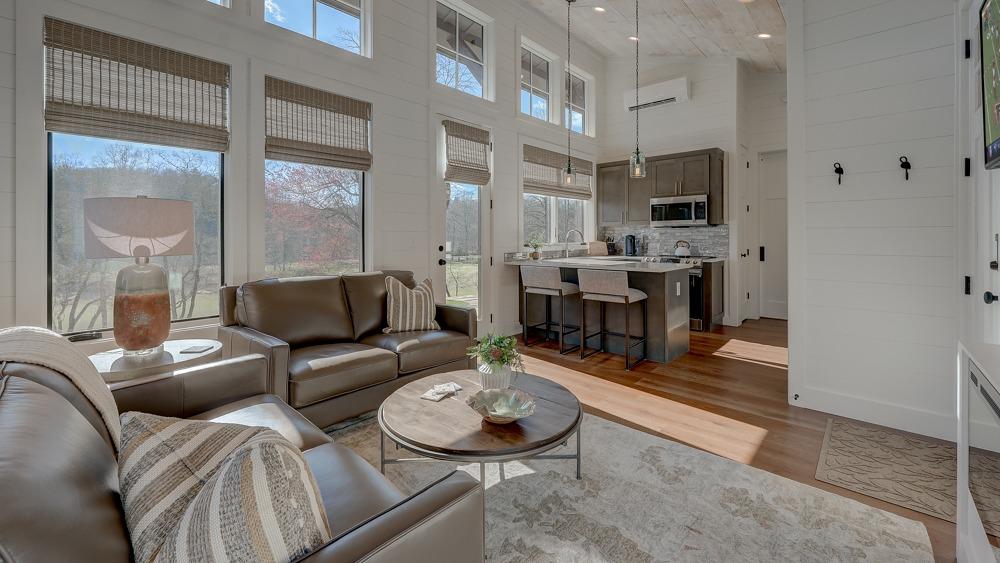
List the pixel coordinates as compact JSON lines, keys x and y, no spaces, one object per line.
{"x":727,"y":396}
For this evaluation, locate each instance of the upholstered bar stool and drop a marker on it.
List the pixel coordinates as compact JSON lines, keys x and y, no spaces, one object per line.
{"x":545,"y":280}
{"x":605,"y":286}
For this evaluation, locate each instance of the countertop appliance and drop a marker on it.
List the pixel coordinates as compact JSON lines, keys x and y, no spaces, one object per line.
{"x":682,"y":248}
{"x":631,"y":246}
{"x":680,"y":211}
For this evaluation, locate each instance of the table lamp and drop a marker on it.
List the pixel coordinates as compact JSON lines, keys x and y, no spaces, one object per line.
{"x":139,"y":228}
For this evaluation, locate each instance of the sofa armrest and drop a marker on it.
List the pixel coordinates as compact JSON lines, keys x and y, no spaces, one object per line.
{"x":443,"y":522}
{"x":186,"y":392}
{"x":459,"y":319}
{"x":242,"y":340}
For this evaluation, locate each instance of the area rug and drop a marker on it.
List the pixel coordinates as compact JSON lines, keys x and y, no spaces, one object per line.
{"x":645,"y":499}
{"x":905,"y":469}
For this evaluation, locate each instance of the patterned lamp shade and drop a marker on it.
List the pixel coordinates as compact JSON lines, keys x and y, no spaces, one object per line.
{"x":120,"y":227}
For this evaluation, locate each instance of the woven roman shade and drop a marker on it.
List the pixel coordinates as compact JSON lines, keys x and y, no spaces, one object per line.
{"x":105,"y":85}
{"x":543,"y":171}
{"x":467,"y":153}
{"x":312,"y":126}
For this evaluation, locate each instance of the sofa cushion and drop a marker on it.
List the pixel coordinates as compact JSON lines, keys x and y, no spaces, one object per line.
{"x":366,"y":297}
{"x":352,"y":489}
{"x":317,"y":373}
{"x":261,"y":504}
{"x":58,"y":481}
{"x":300,"y":311}
{"x":271,"y":412}
{"x":422,"y":349}
{"x":409,"y":309}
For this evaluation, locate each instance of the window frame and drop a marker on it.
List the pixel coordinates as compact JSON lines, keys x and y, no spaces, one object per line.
{"x":364,"y":25}
{"x":590,"y":102}
{"x":532,"y":90}
{"x":174,"y":323}
{"x":364,"y":216}
{"x":489,"y":59}
{"x":569,"y":106}
{"x":552,"y":220}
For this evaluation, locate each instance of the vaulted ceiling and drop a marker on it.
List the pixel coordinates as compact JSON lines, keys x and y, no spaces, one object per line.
{"x":692,"y":28}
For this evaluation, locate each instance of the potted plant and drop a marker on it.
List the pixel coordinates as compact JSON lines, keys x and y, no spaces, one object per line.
{"x":498,"y":359}
{"x":535,"y":245}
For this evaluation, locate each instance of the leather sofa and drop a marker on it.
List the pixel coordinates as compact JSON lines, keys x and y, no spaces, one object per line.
{"x":322,"y":337}
{"x":59,"y":476}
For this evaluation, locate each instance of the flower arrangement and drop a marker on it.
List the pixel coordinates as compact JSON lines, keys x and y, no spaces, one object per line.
{"x":498,"y":360}
{"x":536,"y":246}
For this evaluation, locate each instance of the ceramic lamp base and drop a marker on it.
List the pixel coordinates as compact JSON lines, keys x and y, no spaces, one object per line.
{"x":142,"y":309}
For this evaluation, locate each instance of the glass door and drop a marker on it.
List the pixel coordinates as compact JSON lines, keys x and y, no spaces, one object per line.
{"x":467,"y":207}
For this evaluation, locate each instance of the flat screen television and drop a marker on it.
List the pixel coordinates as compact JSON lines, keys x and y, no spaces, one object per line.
{"x":989,"y":44}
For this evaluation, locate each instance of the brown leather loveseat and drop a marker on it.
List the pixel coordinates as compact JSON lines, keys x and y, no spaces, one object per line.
{"x":322,"y":336}
{"x":59,"y":495}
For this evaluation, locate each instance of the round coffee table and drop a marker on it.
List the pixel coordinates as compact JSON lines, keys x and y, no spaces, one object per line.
{"x":450,"y":430}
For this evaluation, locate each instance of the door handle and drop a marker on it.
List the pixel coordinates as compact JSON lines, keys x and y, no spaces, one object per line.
{"x":989,"y":298}
{"x":442,"y":262}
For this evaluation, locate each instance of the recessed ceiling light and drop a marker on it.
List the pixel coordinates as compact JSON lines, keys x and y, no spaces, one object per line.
{"x":598,"y":9}
{"x":763,"y":36}
{"x":633,"y":38}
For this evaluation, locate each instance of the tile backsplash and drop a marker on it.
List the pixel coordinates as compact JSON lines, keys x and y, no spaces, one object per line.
{"x":705,"y":241}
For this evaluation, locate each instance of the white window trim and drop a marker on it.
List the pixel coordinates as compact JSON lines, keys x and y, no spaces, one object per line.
{"x":489,"y":49}
{"x":555,"y":94}
{"x":366,"y":28}
{"x":590,"y":105}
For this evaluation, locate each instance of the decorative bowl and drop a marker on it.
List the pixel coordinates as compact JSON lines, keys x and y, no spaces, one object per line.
{"x":502,"y":406}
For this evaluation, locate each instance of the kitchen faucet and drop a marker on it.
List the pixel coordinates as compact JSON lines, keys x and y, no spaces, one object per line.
{"x":566,"y":241}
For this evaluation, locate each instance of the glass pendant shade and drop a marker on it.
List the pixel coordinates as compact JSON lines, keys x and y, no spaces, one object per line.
{"x":637,"y":165}
{"x":568,"y":175}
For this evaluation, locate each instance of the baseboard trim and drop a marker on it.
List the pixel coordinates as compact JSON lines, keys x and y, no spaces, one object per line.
{"x":927,"y":423}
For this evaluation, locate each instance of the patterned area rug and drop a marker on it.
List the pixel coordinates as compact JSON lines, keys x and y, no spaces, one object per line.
{"x":906,"y":469}
{"x":643,"y":498}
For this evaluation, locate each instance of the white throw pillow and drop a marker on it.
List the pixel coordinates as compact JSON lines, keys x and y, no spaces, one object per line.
{"x":409,"y":309}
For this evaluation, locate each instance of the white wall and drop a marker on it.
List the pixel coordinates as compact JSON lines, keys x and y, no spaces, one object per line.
{"x":872,"y":263}
{"x":398,"y":80}
{"x":6,"y":162}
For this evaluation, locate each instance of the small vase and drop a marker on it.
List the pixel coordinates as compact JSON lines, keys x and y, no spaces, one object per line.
{"x":536,"y":255}
{"x":495,"y":377}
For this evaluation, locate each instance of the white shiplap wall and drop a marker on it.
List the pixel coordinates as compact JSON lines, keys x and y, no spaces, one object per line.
{"x":768,"y":111}
{"x":6,"y":162}
{"x":872,"y":265}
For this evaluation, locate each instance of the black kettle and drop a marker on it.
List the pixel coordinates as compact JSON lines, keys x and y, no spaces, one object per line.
{"x":631,"y":246}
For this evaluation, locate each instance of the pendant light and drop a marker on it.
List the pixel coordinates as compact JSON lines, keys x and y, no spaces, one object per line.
{"x":568,"y":172}
{"x":637,"y":162}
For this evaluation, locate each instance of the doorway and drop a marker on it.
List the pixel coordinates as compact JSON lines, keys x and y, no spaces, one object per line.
{"x":773,"y":194}
{"x":466,"y":226}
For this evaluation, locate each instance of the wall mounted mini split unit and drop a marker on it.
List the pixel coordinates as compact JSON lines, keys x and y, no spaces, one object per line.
{"x":670,"y":92}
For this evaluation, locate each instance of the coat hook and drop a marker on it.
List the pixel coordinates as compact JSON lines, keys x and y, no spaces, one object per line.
{"x":839,"y":171}
{"x":904,"y":163}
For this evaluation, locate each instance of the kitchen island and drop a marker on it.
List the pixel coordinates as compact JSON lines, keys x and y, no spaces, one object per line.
{"x":665,"y":284}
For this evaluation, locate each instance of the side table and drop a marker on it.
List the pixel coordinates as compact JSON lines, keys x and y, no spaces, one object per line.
{"x":114,"y":366}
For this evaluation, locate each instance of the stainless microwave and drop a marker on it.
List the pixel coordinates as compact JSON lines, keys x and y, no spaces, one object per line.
{"x":681,"y":211}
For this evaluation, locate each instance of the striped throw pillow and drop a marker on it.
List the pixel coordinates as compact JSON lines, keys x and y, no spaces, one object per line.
{"x":165,"y":463}
{"x":409,"y":309}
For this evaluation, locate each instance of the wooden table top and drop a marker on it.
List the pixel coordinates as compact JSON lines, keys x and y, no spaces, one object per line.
{"x":451,"y":429}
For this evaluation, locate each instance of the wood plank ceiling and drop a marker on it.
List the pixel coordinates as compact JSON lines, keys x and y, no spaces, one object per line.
{"x":691,"y":28}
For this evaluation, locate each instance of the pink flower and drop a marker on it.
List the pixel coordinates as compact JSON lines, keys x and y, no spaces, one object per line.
{"x":496,"y":354}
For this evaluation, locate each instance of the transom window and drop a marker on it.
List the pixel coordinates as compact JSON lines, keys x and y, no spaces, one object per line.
{"x":337,"y":22}
{"x":460,"y":61}
{"x":534,"y":85}
{"x":576,"y":103}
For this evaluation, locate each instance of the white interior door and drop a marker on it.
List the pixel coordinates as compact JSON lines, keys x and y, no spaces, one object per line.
{"x":774,"y":235}
{"x":466,"y":253}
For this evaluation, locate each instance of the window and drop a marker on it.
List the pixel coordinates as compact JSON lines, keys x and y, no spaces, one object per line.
{"x":82,"y":290}
{"x":223,"y":3}
{"x":548,"y":219}
{"x":313,"y":219}
{"x":534,"y":85}
{"x":460,"y":52}
{"x":464,"y":245}
{"x":337,"y":22}
{"x":575,"y":117}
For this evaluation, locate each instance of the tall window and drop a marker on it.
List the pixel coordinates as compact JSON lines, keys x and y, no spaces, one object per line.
{"x":576,"y":103}
{"x":82,"y":290}
{"x":534,"y":85}
{"x":548,"y":219}
{"x":337,"y":22}
{"x":464,"y":242}
{"x":460,"y":61}
{"x":313,"y":219}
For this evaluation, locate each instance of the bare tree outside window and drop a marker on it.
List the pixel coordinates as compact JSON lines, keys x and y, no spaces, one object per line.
{"x":464,"y":250}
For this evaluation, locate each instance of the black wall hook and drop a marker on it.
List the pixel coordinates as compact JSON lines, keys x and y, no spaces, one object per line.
{"x":904,"y":163}
{"x":839,"y":171}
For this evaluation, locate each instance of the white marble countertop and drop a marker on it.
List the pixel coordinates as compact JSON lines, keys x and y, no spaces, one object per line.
{"x":617,"y":263}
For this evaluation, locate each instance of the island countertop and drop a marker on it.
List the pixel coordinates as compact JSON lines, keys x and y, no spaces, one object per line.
{"x":617,"y":263}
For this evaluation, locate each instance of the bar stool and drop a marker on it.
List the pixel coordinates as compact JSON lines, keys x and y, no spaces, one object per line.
{"x":605,"y":286}
{"x":545,"y":280}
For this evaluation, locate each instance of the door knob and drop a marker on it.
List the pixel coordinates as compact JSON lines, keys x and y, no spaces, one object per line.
{"x":989,"y":298}
{"x":442,"y":262}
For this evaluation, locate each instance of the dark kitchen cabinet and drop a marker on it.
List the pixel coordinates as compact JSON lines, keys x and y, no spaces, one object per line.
{"x":624,"y":200}
{"x":612,"y":194}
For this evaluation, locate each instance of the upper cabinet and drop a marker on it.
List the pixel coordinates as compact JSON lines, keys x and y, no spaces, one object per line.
{"x":623,"y":200}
